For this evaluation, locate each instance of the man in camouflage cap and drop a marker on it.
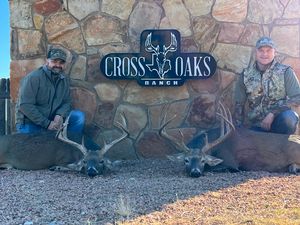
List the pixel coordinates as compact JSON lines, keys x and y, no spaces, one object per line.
{"x":270,"y":89}
{"x":44,"y":98}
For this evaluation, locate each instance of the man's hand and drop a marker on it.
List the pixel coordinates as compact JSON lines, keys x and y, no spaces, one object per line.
{"x":267,"y":121}
{"x":56,"y":123}
{"x":52,"y":126}
{"x":59,"y":121}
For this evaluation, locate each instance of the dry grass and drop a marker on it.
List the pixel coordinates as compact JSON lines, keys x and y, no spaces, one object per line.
{"x":267,"y":201}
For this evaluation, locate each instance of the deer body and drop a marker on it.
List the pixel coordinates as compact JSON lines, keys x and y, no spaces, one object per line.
{"x":253,"y":151}
{"x":61,"y":150}
{"x":36,"y":151}
{"x":236,"y":148}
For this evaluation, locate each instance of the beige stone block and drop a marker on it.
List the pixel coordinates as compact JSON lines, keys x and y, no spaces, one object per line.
{"x":145,"y":15}
{"x":18,"y":69}
{"x":20,"y":14}
{"x":78,"y":70}
{"x":230,"y":10}
{"x":100,"y":30}
{"x":119,"y":8}
{"x":206,"y":31}
{"x":282,"y":35}
{"x":230,"y":32}
{"x":30,"y":42}
{"x":59,"y":23}
{"x":178,"y":16}
{"x":81,"y":9}
{"x":232,"y":57}
{"x":199,"y":7}
{"x":108,"y":92}
{"x":71,"y":39}
{"x":292,"y":10}
{"x":264,"y":11}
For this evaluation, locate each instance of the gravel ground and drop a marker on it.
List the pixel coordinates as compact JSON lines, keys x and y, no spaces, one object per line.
{"x":135,"y":191}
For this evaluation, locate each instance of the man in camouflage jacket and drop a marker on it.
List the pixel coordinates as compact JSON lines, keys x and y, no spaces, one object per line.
{"x":270,"y":89}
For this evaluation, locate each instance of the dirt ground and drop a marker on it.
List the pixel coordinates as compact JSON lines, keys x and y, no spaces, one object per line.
{"x":148,"y":192}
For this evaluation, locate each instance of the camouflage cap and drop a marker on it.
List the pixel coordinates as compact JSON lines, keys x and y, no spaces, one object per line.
{"x":265,"y":41}
{"x":57,"y":53}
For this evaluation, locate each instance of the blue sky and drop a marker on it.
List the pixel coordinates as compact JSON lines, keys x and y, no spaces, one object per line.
{"x":4,"y":39}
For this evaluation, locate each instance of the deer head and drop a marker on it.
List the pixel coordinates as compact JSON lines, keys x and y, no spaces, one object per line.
{"x":161,"y":55}
{"x":92,"y":162}
{"x":195,"y":159}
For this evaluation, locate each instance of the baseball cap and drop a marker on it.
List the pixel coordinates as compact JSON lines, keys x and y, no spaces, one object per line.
{"x":57,"y":53}
{"x":265,"y":41}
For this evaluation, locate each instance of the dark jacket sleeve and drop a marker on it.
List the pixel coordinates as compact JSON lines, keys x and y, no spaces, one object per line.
{"x":27,"y":100}
{"x":292,"y":88}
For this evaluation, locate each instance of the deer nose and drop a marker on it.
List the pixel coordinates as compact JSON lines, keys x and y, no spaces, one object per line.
{"x":92,"y":171}
{"x":195,"y":172}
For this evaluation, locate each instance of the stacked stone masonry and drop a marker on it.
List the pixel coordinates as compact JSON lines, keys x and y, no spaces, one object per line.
{"x":90,"y":29}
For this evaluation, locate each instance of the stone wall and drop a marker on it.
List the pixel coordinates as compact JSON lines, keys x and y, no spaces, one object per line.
{"x":90,"y":29}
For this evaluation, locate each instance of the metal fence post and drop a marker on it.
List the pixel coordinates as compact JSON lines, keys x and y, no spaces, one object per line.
{"x":4,"y":106}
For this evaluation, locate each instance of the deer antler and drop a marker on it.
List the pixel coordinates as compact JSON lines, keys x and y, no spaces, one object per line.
{"x":178,"y":144}
{"x":173,"y":45}
{"x":149,"y":46}
{"x":106,"y":146}
{"x":62,"y":135}
{"x":226,"y":128}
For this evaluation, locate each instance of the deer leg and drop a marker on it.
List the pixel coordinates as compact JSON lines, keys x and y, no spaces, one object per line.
{"x":70,"y":167}
{"x":59,"y":168}
{"x":6,"y":166}
{"x":75,"y":166}
{"x":294,"y":168}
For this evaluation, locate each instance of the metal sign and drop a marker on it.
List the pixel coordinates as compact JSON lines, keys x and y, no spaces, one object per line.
{"x":160,"y":61}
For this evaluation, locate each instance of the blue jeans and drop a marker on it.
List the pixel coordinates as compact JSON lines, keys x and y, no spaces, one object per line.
{"x":76,"y":124}
{"x":284,"y":123}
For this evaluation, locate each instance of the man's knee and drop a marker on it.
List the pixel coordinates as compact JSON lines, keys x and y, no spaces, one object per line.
{"x":286,"y":122}
{"x":76,"y":121}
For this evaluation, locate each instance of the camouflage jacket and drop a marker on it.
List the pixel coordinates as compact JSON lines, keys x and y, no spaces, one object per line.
{"x":275,"y":90}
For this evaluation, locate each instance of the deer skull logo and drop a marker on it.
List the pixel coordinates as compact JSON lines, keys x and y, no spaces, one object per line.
{"x":160,"y":63}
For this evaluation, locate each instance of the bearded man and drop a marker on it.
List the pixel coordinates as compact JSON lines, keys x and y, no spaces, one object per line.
{"x":44,"y":98}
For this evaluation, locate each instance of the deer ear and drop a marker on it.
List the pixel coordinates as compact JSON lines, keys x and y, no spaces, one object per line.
{"x":212,"y":161}
{"x":177,"y":157}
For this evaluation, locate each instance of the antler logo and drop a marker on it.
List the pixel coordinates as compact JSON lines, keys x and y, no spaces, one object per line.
{"x":160,"y":63}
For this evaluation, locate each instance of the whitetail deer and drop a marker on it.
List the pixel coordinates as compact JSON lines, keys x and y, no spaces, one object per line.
{"x":238,"y":149}
{"x":49,"y":151}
